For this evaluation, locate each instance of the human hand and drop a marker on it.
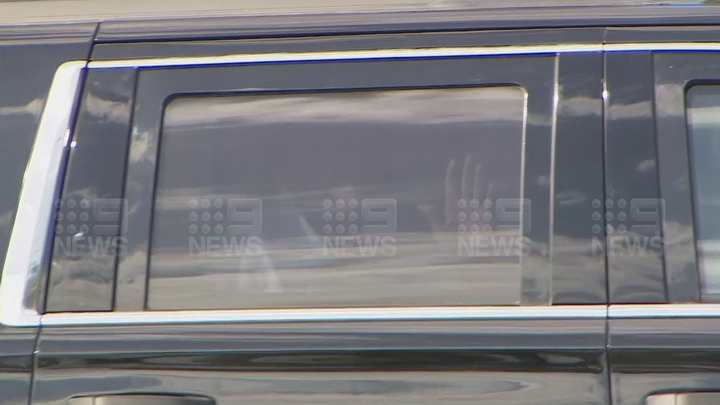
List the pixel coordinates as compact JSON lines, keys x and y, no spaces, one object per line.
{"x":471,"y":186}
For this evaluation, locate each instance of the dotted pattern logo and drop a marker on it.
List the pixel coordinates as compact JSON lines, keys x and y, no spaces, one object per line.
{"x":341,"y":217}
{"x":74,"y":218}
{"x":616,"y":215}
{"x":639,"y":215}
{"x":474,"y":217}
{"x":206,"y":217}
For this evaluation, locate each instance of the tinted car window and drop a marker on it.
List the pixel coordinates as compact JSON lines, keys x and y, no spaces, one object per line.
{"x":333,"y":199}
{"x":703,"y":116}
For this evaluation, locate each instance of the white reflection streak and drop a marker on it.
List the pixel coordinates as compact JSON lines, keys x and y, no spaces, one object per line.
{"x":33,"y":108}
{"x":706,"y":116}
{"x":553,"y":155}
{"x":113,"y":111}
{"x":522,"y":166}
{"x":670,"y":100}
{"x":402,"y":106}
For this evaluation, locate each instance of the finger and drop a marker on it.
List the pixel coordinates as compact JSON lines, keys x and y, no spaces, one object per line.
{"x":491,"y":193}
{"x":466,"y":183}
{"x":451,"y":191}
{"x":478,"y":185}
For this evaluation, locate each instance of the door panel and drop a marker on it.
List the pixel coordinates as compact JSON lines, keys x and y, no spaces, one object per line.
{"x":459,"y":362}
{"x":462,"y":350}
{"x":650,"y":356}
{"x":656,"y":351}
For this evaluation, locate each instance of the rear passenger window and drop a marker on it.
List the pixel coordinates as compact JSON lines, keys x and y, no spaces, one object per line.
{"x":336,"y":199}
{"x":703,"y":116}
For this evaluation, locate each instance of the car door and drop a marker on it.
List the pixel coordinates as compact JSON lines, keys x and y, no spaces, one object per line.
{"x":664,"y":341}
{"x":351,"y":221}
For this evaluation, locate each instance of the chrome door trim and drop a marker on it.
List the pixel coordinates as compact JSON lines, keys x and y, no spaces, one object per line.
{"x":328,"y":315}
{"x":690,"y":310}
{"x":27,"y":249}
{"x":411,"y":53}
{"x":617,"y":311}
{"x":28,"y":242}
{"x":663,"y":46}
{"x":347,"y":55}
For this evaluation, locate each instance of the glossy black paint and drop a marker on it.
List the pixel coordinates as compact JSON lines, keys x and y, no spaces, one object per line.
{"x":504,"y":362}
{"x":700,"y":33}
{"x":16,"y":363}
{"x":631,"y":179}
{"x":578,"y":269}
{"x":29,"y":56}
{"x":662,"y":355}
{"x":103,"y":51}
{"x":86,"y":238}
{"x":269,"y":26}
{"x":656,"y":355}
{"x":673,"y":72}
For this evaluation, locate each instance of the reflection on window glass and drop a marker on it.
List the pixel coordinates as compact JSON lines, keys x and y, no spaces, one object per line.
{"x":337,"y":199}
{"x":703,"y":117}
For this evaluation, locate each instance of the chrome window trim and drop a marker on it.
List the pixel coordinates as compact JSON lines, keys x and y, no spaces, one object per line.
{"x":347,"y":55}
{"x":26,"y":250}
{"x":689,"y":310}
{"x":327,"y":315}
{"x":617,"y":311}
{"x":662,"y":46}
{"x":398,"y":54}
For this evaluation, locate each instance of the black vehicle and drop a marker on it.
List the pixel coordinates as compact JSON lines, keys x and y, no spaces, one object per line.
{"x":320,"y":203}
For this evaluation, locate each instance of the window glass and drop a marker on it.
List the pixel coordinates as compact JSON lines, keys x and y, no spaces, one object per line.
{"x":703,"y":115}
{"x":336,"y":199}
